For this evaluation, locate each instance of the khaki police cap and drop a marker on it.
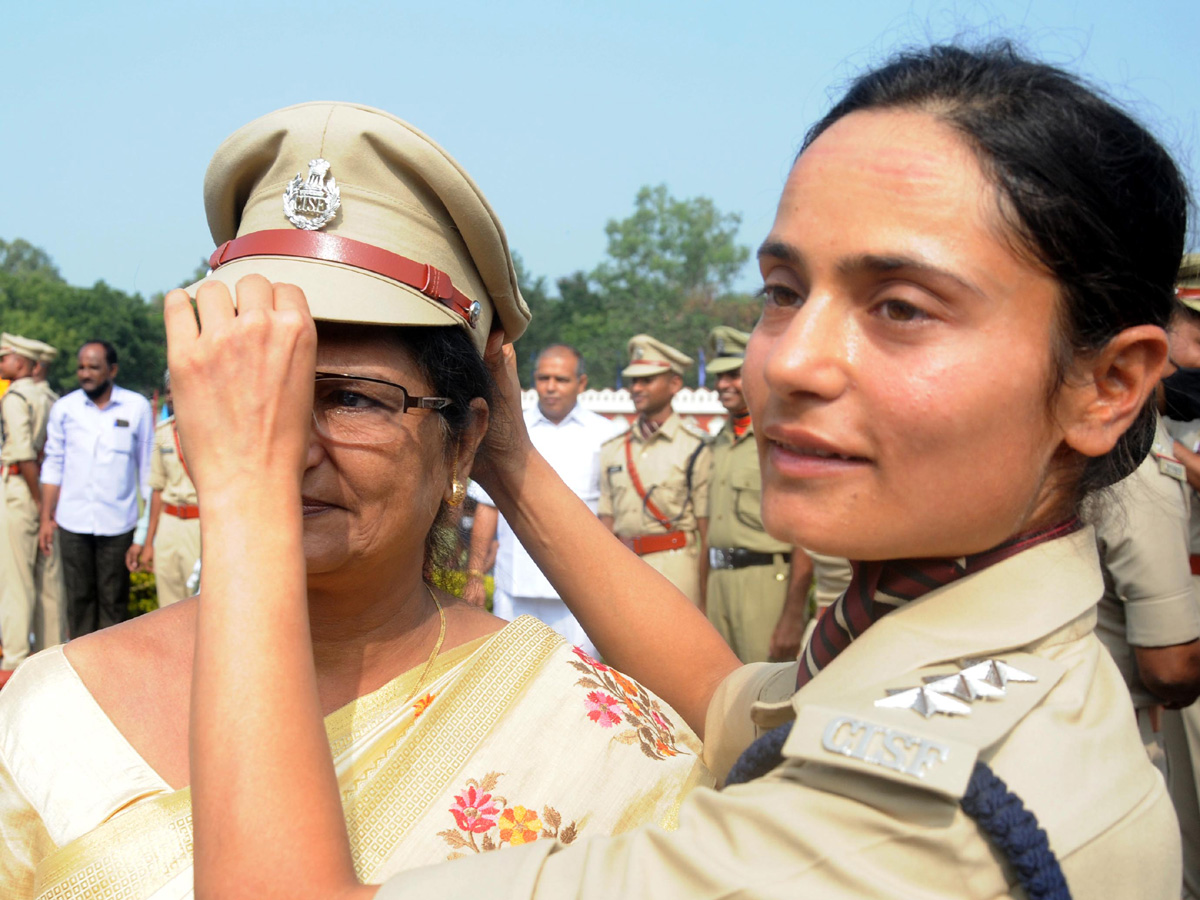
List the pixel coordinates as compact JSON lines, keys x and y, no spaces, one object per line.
{"x":1187,"y":285}
{"x":46,"y":353}
{"x":373,"y":220}
{"x":21,"y":346}
{"x":648,"y":356}
{"x":728,"y":347}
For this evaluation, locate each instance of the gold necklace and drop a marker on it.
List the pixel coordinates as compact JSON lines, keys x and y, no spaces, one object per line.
{"x":437,"y":648}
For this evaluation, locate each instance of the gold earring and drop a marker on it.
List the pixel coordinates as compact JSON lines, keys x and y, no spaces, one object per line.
{"x":458,"y":490}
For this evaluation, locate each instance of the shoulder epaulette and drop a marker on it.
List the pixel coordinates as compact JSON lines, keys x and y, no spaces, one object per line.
{"x":927,"y":728}
{"x":929,"y":736}
{"x":620,"y":435}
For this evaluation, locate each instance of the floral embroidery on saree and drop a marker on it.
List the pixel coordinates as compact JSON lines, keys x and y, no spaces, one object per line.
{"x":421,"y":704}
{"x":614,"y":698}
{"x":478,"y":811}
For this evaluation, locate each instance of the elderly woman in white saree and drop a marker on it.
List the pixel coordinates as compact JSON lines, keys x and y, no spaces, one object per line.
{"x":452,"y":733}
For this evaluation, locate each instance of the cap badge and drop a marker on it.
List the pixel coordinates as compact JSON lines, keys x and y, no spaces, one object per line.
{"x":638,"y":353}
{"x":310,"y":203}
{"x":720,"y":347}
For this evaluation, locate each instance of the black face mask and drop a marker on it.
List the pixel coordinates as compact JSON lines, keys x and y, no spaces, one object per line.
{"x":99,"y":390}
{"x":1181,"y":391}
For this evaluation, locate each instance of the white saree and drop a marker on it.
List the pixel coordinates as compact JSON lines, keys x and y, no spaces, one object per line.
{"x":515,"y":738}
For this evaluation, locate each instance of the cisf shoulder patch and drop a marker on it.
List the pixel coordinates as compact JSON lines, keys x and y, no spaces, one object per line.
{"x":911,"y":756}
{"x":924,"y":728}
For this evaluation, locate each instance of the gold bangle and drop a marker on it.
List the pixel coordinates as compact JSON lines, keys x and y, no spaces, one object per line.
{"x":475,"y":573}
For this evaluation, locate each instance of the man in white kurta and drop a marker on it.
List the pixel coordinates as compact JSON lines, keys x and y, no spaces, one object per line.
{"x":569,"y":437}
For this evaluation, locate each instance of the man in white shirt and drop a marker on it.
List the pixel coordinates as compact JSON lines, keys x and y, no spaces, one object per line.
{"x":98,"y":447}
{"x":569,"y":437}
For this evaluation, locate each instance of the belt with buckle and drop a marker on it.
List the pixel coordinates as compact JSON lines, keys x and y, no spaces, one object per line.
{"x":740,"y":558}
{"x":656,"y":543}
{"x":186,"y":511}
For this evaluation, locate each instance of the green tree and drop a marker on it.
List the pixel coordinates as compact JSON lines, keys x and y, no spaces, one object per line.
{"x":544,"y":324}
{"x":669,"y":271}
{"x":671,"y":248}
{"x":36,"y":302}
{"x":157,"y":298}
{"x":22,"y":258}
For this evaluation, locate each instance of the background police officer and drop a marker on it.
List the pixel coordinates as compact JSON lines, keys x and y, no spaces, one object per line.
{"x":654,"y":478}
{"x":1181,"y":727}
{"x":172,"y":544}
{"x":24,"y":411}
{"x":757,"y":586}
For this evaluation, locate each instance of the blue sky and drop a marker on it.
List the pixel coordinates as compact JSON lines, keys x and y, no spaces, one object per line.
{"x":110,"y":111}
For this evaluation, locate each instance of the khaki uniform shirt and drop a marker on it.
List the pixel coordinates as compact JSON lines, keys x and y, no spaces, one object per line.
{"x":866,"y":804}
{"x":1149,"y":598}
{"x":735,"y":495}
{"x":44,"y":388}
{"x":25,"y":411}
{"x":166,"y":472}
{"x":1188,"y":434}
{"x":661,"y":463}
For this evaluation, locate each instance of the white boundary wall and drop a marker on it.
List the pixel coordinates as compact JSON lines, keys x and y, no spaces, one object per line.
{"x":700,"y":404}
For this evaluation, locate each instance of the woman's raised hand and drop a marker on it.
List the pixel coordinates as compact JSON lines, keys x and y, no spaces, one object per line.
{"x":242,"y":380}
{"x":504,"y":452}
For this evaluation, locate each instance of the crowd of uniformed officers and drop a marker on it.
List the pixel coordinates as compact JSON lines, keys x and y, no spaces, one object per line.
{"x":67,"y":522}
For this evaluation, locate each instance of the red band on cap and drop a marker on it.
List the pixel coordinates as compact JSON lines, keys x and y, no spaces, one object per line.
{"x":430,"y":281}
{"x":1188,"y":293}
{"x":650,"y":362}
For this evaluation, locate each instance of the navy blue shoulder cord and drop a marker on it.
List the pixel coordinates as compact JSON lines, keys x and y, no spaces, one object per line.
{"x":998,"y":812}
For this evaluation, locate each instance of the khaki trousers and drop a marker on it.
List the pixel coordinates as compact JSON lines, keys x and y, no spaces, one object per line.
{"x":31,"y":592}
{"x":176,"y":549}
{"x":744,"y":606}
{"x":681,"y":567}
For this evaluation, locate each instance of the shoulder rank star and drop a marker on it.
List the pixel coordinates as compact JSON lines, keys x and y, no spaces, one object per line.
{"x":979,"y":680}
{"x":995,"y":672}
{"x":964,"y":687}
{"x":925,"y":700}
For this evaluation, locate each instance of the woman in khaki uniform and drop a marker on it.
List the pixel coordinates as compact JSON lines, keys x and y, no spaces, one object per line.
{"x":958,"y":730}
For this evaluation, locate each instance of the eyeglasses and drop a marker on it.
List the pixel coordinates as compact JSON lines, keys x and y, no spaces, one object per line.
{"x":351,"y":409}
